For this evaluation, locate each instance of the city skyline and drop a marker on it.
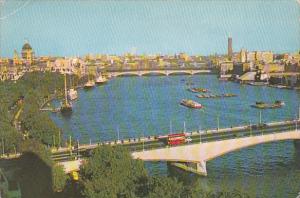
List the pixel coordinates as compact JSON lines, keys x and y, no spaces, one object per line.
{"x":100,"y":27}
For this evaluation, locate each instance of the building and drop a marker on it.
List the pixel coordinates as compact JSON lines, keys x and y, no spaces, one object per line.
{"x":229,"y":48}
{"x":243,"y":56}
{"x":250,"y":57}
{"x":273,"y":67}
{"x":226,"y":67}
{"x":27,"y":54}
{"x":16,"y":59}
{"x":267,"y":57}
{"x":240,"y":68}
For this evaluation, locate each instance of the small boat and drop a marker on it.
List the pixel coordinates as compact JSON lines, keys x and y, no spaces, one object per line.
{"x":89,"y":84}
{"x":215,"y":96}
{"x":202,"y":96}
{"x":108,"y":76}
{"x":72,"y":94}
{"x":100,"y":80}
{"x":66,"y":106}
{"x":191,"y":104}
{"x":279,"y":102}
{"x":198,"y":90}
{"x":262,"y":105}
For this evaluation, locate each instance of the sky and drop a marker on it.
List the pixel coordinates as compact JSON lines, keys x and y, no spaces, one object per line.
{"x":79,"y":27}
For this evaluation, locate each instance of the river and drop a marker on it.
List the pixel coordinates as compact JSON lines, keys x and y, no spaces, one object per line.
{"x":149,"y":105}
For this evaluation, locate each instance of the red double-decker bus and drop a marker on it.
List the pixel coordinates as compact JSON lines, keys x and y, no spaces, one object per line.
{"x":176,"y":139}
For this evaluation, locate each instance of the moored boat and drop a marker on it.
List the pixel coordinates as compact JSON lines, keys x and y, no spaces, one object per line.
{"x":66,"y":106}
{"x":72,"y":94}
{"x":263,"y":105}
{"x":191,"y":104}
{"x":197,"y":90}
{"x":89,"y":84}
{"x":100,"y":80}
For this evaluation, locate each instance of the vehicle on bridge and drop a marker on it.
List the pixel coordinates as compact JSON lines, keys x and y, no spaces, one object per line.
{"x":176,"y":139}
{"x":259,"y":126}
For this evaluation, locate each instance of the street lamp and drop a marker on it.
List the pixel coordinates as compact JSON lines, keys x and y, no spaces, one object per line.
{"x":143,"y":141}
{"x":218,"y":122}
{"x":118,"y":134}
{"x":250,"y":129}
{"x":259,"y":116}
{"x":200,"y":133}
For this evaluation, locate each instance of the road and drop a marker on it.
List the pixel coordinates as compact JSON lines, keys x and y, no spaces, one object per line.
{"x":197,"y":137}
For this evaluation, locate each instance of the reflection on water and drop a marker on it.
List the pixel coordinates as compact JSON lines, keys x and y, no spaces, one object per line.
{"x":147,"y":105}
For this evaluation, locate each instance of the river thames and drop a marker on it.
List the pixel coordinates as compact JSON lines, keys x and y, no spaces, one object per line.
{"x":136,"y":106}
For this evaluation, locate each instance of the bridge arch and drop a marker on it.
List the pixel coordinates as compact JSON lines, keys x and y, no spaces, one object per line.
{"x":201,"y":71}
{"x":126,"y":74}
{"x":180,"y":72}
{"x":148,"y":73}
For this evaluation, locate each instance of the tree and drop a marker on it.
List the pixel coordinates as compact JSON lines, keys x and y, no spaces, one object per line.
{"x":166,"y":186}
{"x":111,"y":172}
{"x":59,"y":178}
{"x":38,"y":175}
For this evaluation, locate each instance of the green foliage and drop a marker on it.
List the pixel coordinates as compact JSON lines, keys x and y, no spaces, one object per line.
{"x":39,"y":176}
{"x":10,"y":139}
{"x":166,"y":186}
{"x":35,"y":170}
{"x":59,"y":178}
{"x":111,"y":172}
{"x":35,"y":87}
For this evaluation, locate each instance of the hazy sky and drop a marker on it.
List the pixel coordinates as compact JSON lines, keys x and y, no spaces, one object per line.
{"x":170,"y":26}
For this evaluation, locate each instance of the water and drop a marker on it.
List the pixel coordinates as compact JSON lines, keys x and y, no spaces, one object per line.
{"x":137,"y":106}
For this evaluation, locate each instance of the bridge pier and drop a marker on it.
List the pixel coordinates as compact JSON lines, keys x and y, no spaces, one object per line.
{"x":197,"y":168}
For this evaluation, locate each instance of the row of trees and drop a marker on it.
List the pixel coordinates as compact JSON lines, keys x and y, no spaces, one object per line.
{"x":112,"y":173}
{"x":27,"y":130}
{"x":21,"y":100}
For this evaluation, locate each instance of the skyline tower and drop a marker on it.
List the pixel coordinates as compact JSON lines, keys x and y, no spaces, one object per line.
{"x":229,"y":48}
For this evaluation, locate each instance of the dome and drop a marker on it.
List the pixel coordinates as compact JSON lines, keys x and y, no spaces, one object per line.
{"x":26,"y":46}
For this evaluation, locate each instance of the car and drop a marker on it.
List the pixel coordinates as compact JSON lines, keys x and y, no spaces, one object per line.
{"x":188,"y":139}
{"x":259,"y":126}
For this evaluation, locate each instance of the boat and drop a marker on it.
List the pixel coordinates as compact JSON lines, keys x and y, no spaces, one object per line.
{"x":72,"y":94}
{"x":89,"y":84}
{"x":263,"y":105}
{"x":66,"y":106}
{"x":198,"y":90}
{"x":108,"y":76}
{"x":279,"y":102}
{"x":100,"y":80}
{"x":216,"y":96}
{"x":191,"y":104}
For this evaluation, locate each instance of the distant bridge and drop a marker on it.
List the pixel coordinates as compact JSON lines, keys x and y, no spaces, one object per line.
{"x":158,"y":72}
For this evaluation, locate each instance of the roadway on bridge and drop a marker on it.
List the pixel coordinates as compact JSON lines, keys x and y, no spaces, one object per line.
{"x":197,"y":137}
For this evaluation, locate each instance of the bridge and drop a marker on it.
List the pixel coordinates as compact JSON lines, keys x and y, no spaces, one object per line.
{"x":158,"y":72}
{"x":205,"y":145}
{"x":194,"y":157}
